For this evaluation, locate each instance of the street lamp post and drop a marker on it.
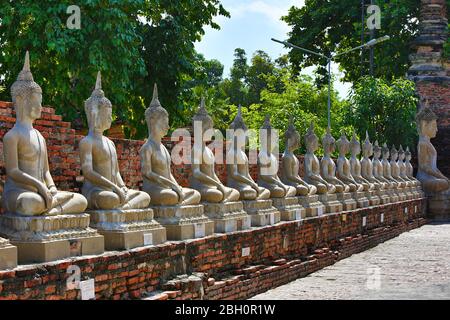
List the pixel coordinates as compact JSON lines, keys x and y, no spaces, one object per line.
{"x":329,"y":59}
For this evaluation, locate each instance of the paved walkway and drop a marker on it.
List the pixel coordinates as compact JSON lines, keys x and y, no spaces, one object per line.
{"x":415,"y":265}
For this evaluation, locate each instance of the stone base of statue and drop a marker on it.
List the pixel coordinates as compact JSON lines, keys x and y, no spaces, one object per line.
{"x":384,"y":196}
{"x":312,"y":205}
{"x":401,"y":193}
{"x":348,"y":203}
{"x":289,"y":208}
{"x":409,"y":193}
{"x":361,"y":199}
{"x":127,"y":229}
{"x":374,"y":199}
{"x":8,"y":255}
{"x":439,"y":205}
{"x":228,"y":216}
{"x":418,"y":192}
{"x":48,"y":238}
{"x":330,"y":202}
{"x":184,"y":222}
{"x":262,"y":212}
{"x":393,"y":195}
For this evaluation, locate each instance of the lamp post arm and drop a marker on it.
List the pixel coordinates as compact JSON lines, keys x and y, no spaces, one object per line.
{"x":288,"y":44}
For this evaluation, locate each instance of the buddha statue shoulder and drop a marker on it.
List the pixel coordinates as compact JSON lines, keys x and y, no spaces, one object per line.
{"x":312,"y":164}
{"x":204,"y":178}
{"x":343,"y":171}
{"x":327,"y":165}
{"x":238,"y":173}
{"x":29,"y":189}
{"x":158,"y":180}
{"x":268,"y":165}
{"x":355,"y":165}
{"x":432,"y":179}
{"x":291,"y":165}
{"x":367,"y":165}
{"x":103,"y":185}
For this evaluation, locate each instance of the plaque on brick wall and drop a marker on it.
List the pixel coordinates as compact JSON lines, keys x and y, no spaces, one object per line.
{"x":87,"y":289}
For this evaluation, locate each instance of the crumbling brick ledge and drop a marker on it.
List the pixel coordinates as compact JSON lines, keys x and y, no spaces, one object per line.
{"x":218,"y":267}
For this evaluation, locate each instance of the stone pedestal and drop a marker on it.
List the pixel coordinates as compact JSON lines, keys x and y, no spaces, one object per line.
{"x":228,"y":216}
{"x":361,"y":199}
{"x":8,"y":255}
{"x":409,"y":193}
{"x":401,"y":193}
{"x":330,"y":202}
{"x":262,"y":212}
{"x":127,"y":229}
{"x":348,"y":203}
{"x":184,"y":222}
{"x":374,"y":199}
{"x":48,"y":238}
{"x":312,"y":205}
{"x":289,"y":208}
{"x":393,"y":195}
{"x":439,"y":206}
{"x":384,"y":195}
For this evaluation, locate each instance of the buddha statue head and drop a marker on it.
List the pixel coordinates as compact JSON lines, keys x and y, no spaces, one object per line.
{"x":376,"y":150}
{"x":426,"y":122}
{"x":268,"y":135}
{"x":385,"y":151}
{"x":292,"y":137}
{"x":407,"y":155}
{"x":98,"y":108}
{"x":157,"y":117}
{"x":343,"y":145}
{"x":26,"y":94}
{"x":394,"y":153}
{"x":355,"y":146}
{"x":401,"y":153}
{"x":311,"y":139}
{"x":328,"y":142}
{"x":239,"y":130}
{"x":202,"y":117}
{"x":367,"y":147}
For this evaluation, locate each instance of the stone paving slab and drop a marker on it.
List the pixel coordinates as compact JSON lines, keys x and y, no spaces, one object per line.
{"x":415,"y":265}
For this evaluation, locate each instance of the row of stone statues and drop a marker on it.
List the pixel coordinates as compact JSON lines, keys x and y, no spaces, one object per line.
{"x":40,"y":219}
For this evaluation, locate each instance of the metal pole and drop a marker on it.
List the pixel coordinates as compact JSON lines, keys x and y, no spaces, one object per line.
{"x":372,"y":55}
{"x":329,"y":93}
{"x":363,"y":20}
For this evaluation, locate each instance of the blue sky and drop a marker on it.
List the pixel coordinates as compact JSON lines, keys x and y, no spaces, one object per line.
{"x":251,"y":26}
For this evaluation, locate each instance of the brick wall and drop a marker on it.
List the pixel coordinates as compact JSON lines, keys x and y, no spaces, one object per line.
{"x":213,"y":267}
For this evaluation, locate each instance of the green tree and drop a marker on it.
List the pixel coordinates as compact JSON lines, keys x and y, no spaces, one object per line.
{"x":334,"y":26}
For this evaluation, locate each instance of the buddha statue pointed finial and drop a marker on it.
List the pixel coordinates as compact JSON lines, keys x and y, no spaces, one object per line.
{"x":24,"y":86}
{"x":354,"y":139}
{"x":310,"y":131}
{"x":367,"y":141}
{"x":291,"y":131}
{"x":385,"y":148}
{"x":96,"y":100}
{"x":328,"y":139}
{"x":155,"y":100}
{"x":400,"y":149}
{"x":98,"y":92}
{"x":343,"y":143}
{"x":203,"y":116}
{"x":267,"y":125}
{"x":393,"y":150}
{"x":407,"y":151}
{"x":238,"y":122}
{"x":155,"y":111}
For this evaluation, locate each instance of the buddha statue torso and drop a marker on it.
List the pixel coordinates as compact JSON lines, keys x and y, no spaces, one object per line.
{"x":327,"y":165}
{"x":343,"y":165}
{"x":395,"y":169}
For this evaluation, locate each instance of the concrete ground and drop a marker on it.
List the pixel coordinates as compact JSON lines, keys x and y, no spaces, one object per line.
{"x":415,"y":265}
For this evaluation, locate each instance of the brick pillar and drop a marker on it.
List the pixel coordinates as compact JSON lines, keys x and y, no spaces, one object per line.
{"x":431,"y":72}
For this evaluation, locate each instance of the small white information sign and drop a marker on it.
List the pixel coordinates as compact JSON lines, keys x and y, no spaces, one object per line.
{"x":382,"y":217}
{"x":320,"y":211}
{"x":199,"y":230}
{"x":245,"y":251}
{"x":298,"y":214}
{"x":148,"y":239}
{"x":364,"y":221}
{"x":87,"y":289}
{"x":272,"y":218}
{"x":406,"y":210}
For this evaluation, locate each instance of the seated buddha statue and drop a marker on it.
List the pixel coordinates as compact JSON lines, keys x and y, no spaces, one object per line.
{"x":395,"y":169}
{"x":291,"y":165}
{"x":327,"y":165}
{"x":204,"y":178}
{"x":409,"y":168}
{"x":343,"y":172}
{"x":387,"y":173}
{"x":158,"y":180}
{"x":238,"y":174}
{"x":402,"y":168}
{"x":378,"y":167}
{"x":312,"y":164}
{"x":355,"y":165}
{"x":103,"y":185}
{"x":268,"y":165}
{"x":29,"y":189}
{"x":367,"y":165}
{"x":432,"y":179}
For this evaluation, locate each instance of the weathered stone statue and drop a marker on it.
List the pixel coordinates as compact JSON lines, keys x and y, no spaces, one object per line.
{"x":283,"y":195}
{"x":221,"y":203}
{"x":378,"y":174}
{"x":409,"y":184}
{"x":30,"y":198}
{"x":434,"y":183}
{"x":417,"y":188}
{"x":115,"y":210}
{"x":306,"y":193}
{"x":175,"y":207}
{"x":343,"y":165}
{"x":328,"y":171}
{"x":364,"y":195}
{"x":255,"y":198}
{"x":395,"y":173}
{"x":325,"y":190}
{"x":387,"y":174}
{"x":375,"y":194}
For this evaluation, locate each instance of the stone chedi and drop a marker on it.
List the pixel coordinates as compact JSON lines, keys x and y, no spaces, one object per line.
{"x":325,"y":190}
{"x":282,"y":195}
{"x":395,"y":174}
{"x":120,"y":214}
{"x":377,"y":195}
{"x":175,"y":207}
{"x":386,"y":172}
{"x":221,"y":203}
{"x":255,"y":198}
{"x":44,"y":223}
{"x":306,"y":193}
{"x":435,"y":185}
{"x":328,"y":171}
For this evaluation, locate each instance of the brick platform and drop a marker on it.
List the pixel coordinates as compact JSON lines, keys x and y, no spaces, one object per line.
{"x":216,"y":266}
